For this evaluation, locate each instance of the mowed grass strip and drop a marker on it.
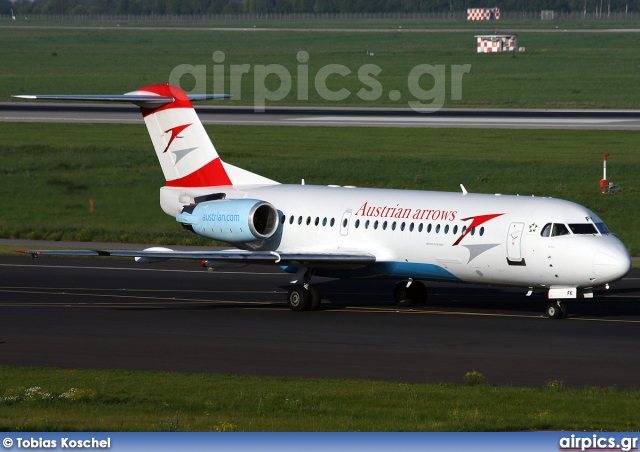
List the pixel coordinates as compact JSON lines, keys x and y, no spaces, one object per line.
{"x":529,"y":20}
{"x":44,"y":399}
{"x":50,"y":172}
{"x":558,"y":70}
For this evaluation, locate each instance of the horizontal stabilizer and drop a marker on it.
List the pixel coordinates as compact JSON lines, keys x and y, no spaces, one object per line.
{"x":135,"y":97}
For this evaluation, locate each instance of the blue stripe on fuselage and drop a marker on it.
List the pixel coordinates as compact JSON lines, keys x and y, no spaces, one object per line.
{"x":386,"y":270}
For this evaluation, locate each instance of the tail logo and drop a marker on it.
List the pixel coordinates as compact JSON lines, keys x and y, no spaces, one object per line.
{"x":174,"y":134}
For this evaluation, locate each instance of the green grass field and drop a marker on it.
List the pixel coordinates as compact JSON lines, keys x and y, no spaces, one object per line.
{"x":51,"y":171}
{"x":37,"y":399}
{"x":518,"y":21}
{"x":558,"y":70}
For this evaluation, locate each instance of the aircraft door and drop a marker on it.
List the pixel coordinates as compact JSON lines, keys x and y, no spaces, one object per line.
{"x":344,"y":223}
{"x":514,"y":239}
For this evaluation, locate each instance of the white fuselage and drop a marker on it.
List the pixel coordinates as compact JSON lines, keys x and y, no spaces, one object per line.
{"x":476,"y":238}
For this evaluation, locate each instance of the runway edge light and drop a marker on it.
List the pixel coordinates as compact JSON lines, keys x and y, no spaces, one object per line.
{"x":607,"y":187}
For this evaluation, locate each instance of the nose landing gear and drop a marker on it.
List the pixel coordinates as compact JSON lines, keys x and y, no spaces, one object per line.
{"x":557,"y":310}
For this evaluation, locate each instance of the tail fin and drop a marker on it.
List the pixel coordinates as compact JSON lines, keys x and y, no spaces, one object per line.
{"x":185,"y":152}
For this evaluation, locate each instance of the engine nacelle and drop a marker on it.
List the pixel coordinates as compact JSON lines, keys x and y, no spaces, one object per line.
{"x":231,"y":220}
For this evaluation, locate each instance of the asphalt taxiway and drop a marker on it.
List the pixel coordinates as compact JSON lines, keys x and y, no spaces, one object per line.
{"x":176,"y":316}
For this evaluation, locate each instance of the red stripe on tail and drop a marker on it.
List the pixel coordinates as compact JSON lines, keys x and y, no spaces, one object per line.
{"x":166,"y":90}
{"x":209,"y":175}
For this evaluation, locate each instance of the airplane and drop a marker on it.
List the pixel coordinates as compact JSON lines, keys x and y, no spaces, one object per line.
{"x":349,"y":232}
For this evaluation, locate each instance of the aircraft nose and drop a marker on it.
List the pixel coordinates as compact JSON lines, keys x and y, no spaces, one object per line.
{"x":611,"y":262}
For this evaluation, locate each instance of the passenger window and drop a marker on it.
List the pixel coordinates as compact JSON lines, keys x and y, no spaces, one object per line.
{"x":344,"y":223}
{"x":324,"y":221}
{"x":559,"y":229}
{"x":393,"y":226}
{"x":308,"y":221}
{"x":300,"y":220}
{"x":282,"y":219}
{"x":291,"y":220}
{"x":402,"y":226}
{"x":375,"y":224}
{"x":411,"y":227}
{"x":455,"y":229}
{"x":429,"y":228}
{"x":481,"y":231}
{"x":420,"y":227}
{"x":333,"y":221}
{"x":437,"y":229}
{"x":384,"y":225}
{"x":357,"y":224}
{"x":546,"y":231}
{"x":366,"y":224}
{"x":317,"y":221}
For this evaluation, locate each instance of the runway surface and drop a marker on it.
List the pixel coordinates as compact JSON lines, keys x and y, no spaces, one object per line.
{"x":344,"y":117}
{"x":175,"y":316}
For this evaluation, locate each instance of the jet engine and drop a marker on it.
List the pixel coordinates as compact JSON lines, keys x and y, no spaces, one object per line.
{"x":231,"y":220}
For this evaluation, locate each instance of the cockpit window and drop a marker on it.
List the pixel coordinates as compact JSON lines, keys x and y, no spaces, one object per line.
{"x":559,"y":229}
{"x":583,"y":228}
{"x":546,"y":231}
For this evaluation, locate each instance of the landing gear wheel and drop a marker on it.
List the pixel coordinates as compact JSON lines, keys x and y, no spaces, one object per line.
{"x":316,"y":299}
{"x":401,"y":296}
{"x":554,"y":310}
{"x":418,"y":293}
{"x":564,"y":309}
{"x":406,"y":297}
{"x":298,"y":298}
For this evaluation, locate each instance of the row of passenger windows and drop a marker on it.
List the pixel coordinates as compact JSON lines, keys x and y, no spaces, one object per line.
{"x":384,"y":225}
{"x":332,"y":222}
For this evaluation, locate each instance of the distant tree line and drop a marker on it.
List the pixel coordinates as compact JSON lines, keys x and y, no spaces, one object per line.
{"x":162,"y":7}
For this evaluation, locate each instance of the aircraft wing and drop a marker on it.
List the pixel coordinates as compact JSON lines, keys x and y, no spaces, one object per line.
{"x":329,"y":259}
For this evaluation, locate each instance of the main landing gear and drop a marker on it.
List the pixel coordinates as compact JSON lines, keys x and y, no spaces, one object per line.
{"x":410,"y":293}
{"x":303,"y":297}
{"x":557,"y":310}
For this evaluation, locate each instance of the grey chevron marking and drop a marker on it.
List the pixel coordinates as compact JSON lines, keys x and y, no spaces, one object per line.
{"x":477,"y":250}
{"x":180,"y":154}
